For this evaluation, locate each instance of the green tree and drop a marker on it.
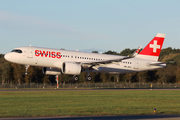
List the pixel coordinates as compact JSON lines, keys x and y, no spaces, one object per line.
{"x":178,"y":75}
{"x":111,"y":52}
{"x":143,"y":76}
{"x":45,"y":79}
{"x":18,"y":72}
{"x":127,"y":52}
{"x":94,"y":51}
{"x":6,"y":72}
{"x":31,"y":73}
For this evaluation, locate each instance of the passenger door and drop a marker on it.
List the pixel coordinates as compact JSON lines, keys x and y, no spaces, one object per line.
{"x":30,"y":52}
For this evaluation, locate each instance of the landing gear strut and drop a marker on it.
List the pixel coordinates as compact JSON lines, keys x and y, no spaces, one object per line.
{"x":88,"y":78}
{"x":27,"y":66}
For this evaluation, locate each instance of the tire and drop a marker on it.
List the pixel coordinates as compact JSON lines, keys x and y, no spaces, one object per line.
{"x":88,"y":78}
{"x":75,"y":78}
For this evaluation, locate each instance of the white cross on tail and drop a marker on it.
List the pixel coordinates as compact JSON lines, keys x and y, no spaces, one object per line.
{"x":154,"y":46}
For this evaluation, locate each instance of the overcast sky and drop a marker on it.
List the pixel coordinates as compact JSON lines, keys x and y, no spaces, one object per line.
{"x":88,"y":25}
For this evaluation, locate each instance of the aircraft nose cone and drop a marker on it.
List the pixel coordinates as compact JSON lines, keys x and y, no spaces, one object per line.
{"x":7,"y":57}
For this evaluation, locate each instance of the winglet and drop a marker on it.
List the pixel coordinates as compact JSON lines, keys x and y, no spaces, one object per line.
{"x":136,"y":52}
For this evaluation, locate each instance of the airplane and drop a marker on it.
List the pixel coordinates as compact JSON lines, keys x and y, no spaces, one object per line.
{"x":56,"y":61}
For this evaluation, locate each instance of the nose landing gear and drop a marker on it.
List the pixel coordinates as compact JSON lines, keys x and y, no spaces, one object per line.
{"x":26,"y":66}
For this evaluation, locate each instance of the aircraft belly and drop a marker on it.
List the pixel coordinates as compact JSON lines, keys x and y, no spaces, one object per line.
{"x":45,"y":62}
{"x":42,"y":62}
{"x":116,"y":69}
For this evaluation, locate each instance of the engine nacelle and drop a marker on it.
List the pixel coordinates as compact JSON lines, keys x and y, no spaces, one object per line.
{"x":51,"y":71}
{"x":71,"y":68}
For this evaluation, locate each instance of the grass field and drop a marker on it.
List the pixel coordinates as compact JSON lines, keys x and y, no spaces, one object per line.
{"x":88,"y":103}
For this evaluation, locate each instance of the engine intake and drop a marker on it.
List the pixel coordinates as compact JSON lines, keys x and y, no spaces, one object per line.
{"x":71,"y":68}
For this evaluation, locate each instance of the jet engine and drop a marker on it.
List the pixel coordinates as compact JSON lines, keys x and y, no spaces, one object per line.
{"x":51,"y":71}
{"x":71,"y":68}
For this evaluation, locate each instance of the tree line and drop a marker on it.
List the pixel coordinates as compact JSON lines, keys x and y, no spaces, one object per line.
{"x":15,"y":73}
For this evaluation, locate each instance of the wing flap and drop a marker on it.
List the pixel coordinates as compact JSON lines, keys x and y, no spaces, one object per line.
{"x":94,"y":63}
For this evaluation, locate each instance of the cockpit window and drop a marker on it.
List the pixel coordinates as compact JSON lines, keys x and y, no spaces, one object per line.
{"x":17,"y":51}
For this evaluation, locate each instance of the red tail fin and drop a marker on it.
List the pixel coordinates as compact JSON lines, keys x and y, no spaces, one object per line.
{"x":153,"y":49}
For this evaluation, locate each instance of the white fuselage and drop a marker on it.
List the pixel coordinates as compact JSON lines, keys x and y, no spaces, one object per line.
{"x":44,"y":57}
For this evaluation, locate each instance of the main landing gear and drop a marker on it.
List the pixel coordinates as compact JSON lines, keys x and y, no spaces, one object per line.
{"x":76,"y":78}
{"x":88,"y":78}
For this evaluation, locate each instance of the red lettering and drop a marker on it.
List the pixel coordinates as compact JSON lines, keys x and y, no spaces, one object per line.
{"x":53,"y":55}
{"x":36,"y":52}
{"x":58,"y":55}
{"x":41,"y":53}
{"x":45,"y":54}
{"x":49,"y":54}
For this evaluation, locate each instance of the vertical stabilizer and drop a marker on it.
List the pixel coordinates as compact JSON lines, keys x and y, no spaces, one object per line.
{"x":153,"y":49}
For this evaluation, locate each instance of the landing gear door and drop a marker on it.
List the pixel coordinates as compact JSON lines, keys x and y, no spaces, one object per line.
{"x":30,"y":52}
{"x":136,"y":64}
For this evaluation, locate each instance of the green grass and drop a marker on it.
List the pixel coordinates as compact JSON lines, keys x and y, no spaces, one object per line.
{"x":87,"y":103}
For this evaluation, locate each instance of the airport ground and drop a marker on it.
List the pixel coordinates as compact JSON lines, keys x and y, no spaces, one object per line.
{"x":89,"y":103}
{"x":90,"y":85}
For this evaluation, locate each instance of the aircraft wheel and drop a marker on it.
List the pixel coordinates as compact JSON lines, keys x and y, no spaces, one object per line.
{"x":88,"y":78}
{"x":75,"y":78}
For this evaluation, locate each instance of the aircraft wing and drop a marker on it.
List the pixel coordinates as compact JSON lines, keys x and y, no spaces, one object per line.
{"x":94,"y":63}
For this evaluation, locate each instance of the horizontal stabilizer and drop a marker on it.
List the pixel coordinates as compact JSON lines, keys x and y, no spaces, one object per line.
{"x":155,"y":63}
{"x":159,"y":63}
